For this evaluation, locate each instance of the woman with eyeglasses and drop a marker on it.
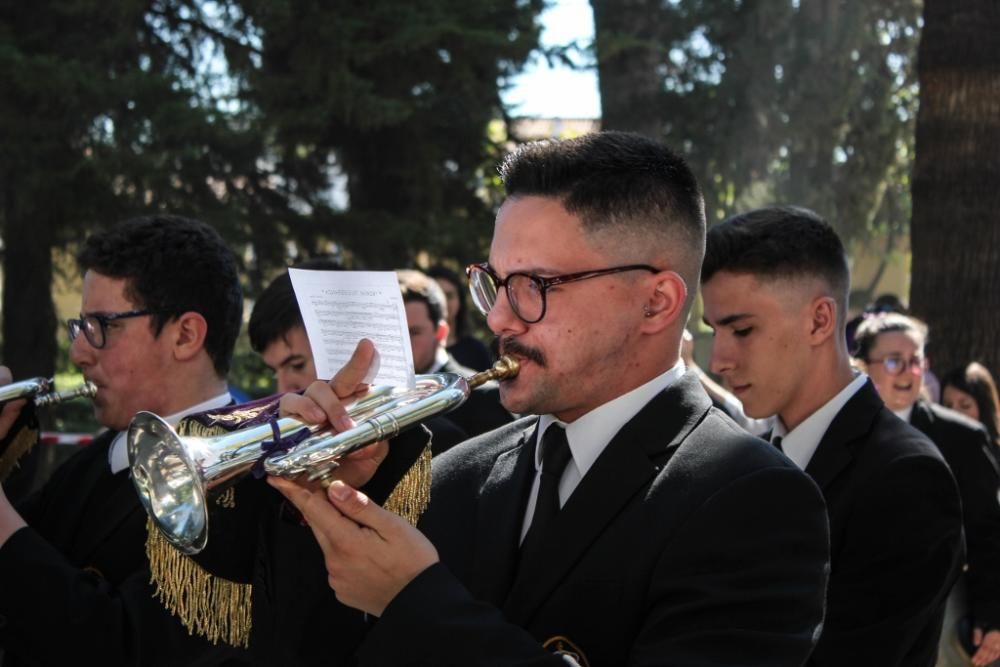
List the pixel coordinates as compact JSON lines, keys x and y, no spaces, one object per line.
{"x":890,"y":348}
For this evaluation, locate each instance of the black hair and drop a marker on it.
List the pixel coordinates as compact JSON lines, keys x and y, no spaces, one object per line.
{"x":173,"y":265}
{"x":417,"y":286}
{"x":781,"y":242}
{"x":977,"y":381}
{"x":276,"y":311}
{"x":620,"y":182}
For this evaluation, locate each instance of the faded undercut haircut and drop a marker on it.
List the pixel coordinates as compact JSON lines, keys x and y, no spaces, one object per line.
{"x":623,"y":187}
{"x":780,"y":243}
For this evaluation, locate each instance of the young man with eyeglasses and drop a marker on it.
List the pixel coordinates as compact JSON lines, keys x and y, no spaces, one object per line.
{"x":890,"y":347}
{"x":161,"y":308}
{"x":775,"y":284}
{"x":626,"y":521}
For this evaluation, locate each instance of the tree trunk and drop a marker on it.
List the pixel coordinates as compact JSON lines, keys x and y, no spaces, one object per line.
{"x":956,"y":183}
{"x":628,"y":53}
{"x":29,"y":317}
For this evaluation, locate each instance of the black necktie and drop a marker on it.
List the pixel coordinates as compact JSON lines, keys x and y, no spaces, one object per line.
{"x":555,"y":456}
{"x":777,"y":443}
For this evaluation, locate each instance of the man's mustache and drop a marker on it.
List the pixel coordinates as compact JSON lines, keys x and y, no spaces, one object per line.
{"x":515,"y":347}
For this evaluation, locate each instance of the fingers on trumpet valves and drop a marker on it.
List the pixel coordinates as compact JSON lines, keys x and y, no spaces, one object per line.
{"x":317,"y":405}
{"x":330,"y":404}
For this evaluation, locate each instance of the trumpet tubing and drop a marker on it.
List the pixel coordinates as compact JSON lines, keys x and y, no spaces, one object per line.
{"x":42,"y":392}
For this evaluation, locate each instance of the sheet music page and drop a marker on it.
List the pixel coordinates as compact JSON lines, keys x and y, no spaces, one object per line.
{"x":339,"y":308}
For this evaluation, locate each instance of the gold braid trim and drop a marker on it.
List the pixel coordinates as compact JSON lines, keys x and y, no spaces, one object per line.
{"x":220,"y":610}
{"x":209,"y":606}
{"x":20,"y":445}
{"x":413,"y":492}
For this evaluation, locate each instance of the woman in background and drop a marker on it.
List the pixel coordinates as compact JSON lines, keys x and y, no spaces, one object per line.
{"x":467,"y":350}
{"x":972,"y":391}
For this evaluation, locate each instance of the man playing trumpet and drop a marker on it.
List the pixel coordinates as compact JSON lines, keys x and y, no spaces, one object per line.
{"x":161,"y":308}
{"x":626,"y":521}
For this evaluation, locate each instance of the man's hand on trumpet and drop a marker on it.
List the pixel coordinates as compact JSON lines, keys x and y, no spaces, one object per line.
{"x":322,"y":402}
{"x":370,"y":553}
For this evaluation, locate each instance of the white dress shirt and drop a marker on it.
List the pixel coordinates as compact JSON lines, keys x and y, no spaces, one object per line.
{"x":800,"y":443}
{"x":118,"y":452}
{"x":591,"y":433}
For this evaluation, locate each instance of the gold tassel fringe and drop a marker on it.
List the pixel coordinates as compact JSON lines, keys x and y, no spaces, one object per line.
{"x":413,"y":492}
{"x":20,"y":445}
{"x":212,"y":607}
{"x":220,"y":610}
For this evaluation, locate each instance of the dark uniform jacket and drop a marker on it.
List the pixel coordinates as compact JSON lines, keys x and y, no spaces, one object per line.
{"x":297,"y":620}
{"x":688,"y":542}
{"x":74,"y":584}
{"x":966,"y":448}
{"x":896,"y":543}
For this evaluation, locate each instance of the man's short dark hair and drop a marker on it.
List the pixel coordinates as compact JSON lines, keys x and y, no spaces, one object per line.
{"x":782,"y":242}
{"x":618,"y":182}
{"x":418,"y":287}
{"x":276,"y":311}
{"x":174,"y":265}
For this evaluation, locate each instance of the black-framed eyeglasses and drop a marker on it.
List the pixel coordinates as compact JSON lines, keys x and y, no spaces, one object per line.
{"x":95,"y":325}
{"x":525,"y":291}
{"x":898,"y":365}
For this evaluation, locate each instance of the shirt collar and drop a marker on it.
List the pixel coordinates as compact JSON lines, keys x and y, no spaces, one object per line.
{"x":591,"y":433}
{"x":118,"y":453}
{"x":800,"y":443}
{"x":904,"y":414}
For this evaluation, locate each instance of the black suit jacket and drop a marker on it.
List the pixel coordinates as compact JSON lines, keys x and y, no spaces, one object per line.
{"x":966,"y":448}
{"x":688,"y":542}
{"x":481,"y":412}
{"x":74,"y":584}
{"x":895,"y":538}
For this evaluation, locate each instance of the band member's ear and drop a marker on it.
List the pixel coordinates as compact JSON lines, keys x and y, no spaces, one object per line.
{"x":823,"y":319}
{"x":666,"y":301}
{"x":189,"y":332}
{"x":441,"y":333}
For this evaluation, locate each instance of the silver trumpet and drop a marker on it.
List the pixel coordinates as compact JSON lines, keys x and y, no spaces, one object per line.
{"x":42,"y":391}
{"x":175,"y":475}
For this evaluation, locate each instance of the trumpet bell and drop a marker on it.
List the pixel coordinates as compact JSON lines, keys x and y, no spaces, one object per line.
{"x":162,"y":465}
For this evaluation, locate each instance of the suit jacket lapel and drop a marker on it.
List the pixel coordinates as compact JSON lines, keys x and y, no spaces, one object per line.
{"x":118,"y":505}
{"x":851,"y":424}
{"x":623,"y":469}
{"x":921,"y":418}
{"x":80,"y":482}
{"x":502,"y":503}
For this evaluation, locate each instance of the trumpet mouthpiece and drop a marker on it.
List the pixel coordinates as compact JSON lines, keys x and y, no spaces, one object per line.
{"x":504,"y":368}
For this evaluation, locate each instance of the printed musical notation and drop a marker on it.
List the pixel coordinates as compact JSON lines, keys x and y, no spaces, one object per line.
{"x":339,"y":308}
